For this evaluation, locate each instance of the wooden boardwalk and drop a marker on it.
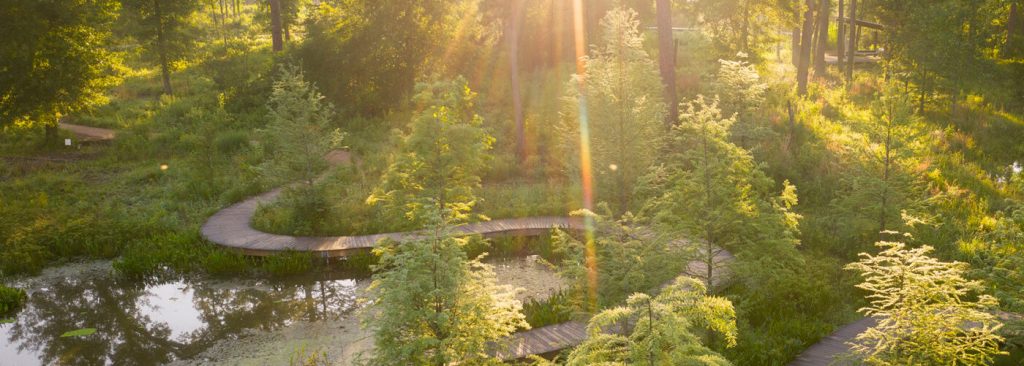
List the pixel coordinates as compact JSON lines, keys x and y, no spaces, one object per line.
{"x":86,"y":133}
{"x":231,"y":228}
{"x":543,"y":340}
{"x":824,"y":352}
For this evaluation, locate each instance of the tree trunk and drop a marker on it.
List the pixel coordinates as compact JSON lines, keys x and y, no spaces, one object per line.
{"x":1014,"y":27}
{"x":745,"y":27}
{"x":161,"y":48}
{"x":666,"y":60}
{"x":275,"y":25}
{"x":796,"y":47}
{"x":841,"y":38}
{"x":50,"y":137}
{"x":819,"y":56}
{"x":805,"y":49}
{"x":512,"y":41}
{"x":851,"y":48}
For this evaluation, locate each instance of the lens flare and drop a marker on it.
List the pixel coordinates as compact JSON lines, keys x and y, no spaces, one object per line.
{"x":585,"y":168}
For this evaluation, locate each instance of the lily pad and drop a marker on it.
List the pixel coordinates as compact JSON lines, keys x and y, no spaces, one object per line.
{"x":79,"y":333}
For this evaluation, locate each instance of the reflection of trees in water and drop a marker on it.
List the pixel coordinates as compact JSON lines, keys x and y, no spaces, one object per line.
{"x":128,"y":334}
{"x":123,"y":336}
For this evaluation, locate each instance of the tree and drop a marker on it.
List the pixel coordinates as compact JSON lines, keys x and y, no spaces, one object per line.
{"x":659,"y":330}
{"x":382,"y":46}
{"x":824,"y":12}
{"x":433,"y":306}
{"x":804,"y":61}
{"x":624,"y":113}
{"x":741,"y":93}
{"x":441,"y":157}
{"x":623,"y":258}
{"x":510,"y":13}
{"x":276,"y":36}
{"x":924,"y":310}
{"x":299,"y":136}
{"x":744,"y":25}
{"x":52,"y":61}
{"x":161,"y":28}
{"x":667,"y":60}
{"x":711,"y":189}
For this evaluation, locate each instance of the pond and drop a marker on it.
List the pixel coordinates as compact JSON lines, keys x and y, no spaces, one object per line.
{"x":188,"y":321}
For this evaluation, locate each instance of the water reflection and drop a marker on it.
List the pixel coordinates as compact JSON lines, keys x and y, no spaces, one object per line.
{"x":142,"y":323}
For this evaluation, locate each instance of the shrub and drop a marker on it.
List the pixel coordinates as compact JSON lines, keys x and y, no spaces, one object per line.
{"x":288,"y":263}
{"x":11,"y":299}
{"x":555,"y":309}
{"x":231,"y":141}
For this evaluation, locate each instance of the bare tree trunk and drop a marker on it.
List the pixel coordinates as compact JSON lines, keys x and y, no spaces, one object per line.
{"x":666,"y":60}
{"x":745,"y":27}
{"x":841,"y":38}
{"x":275,"y":25}
{"x":512,"y":41}
{"x":161,"y":45}
{"x":819,"y":56}
{"x":796,"y":47}
{"x":803,"y":65}
{"x":851,"y":50}
{"x":1014,"y":27}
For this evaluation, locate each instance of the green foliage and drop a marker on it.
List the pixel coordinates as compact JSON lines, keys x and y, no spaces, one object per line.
{"x":924,"y":313}
{"x":627,"y":258}
{"x":741,"y":94}
{"x":298,"y":133}
{"x":79,"y":333}
{"x":11,"y":299}
{"x":53,"y":59}
{"x":440,"y":161}
{"x":162,"y":27}
{"x":379,"y":71}
{"x":289,"y":263}
{"x":298,"y":137}
{"x":664,"y":329}
{"x":435,"y":306}
{"x":556,"y":309}
{"x":618,"y":114}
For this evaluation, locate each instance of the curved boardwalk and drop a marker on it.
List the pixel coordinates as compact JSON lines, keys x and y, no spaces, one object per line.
{"x":86,"y":133}
{"x":231,"y":228}
{"x":827,"y":349}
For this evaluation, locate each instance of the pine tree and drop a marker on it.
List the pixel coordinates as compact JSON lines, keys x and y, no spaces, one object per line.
{"x":433,"y":306}
{"x":299,"y":135}
{"x":441,"y":158}
{"x":659,"y":330}
{"x":741,"y":94}
{"x":925,"y":310}
{"x":626,"y":257}
{"x":299,"y":130}
{"x":624,"y":110}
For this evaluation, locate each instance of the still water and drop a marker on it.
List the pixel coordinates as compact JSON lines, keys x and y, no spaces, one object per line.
{"x":155,"y":322}
{"x":200,"y":321}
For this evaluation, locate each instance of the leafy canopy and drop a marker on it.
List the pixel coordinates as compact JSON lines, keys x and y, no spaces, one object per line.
{"x":54,"y":60}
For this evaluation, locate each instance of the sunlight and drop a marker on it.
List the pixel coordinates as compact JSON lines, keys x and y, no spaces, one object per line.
{"x":585,"y":168}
